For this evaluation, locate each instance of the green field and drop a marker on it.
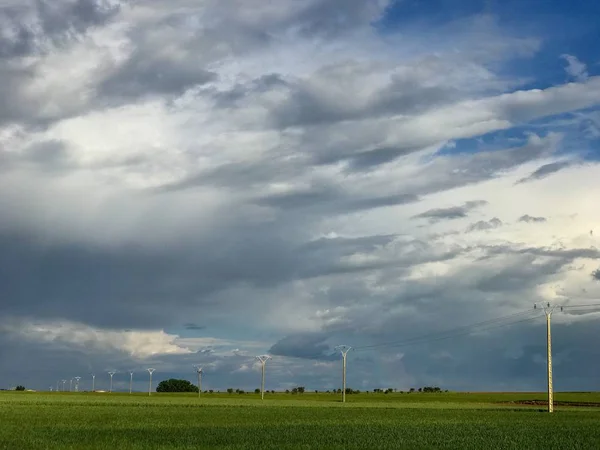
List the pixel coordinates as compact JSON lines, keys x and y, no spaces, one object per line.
{"x":233,"y":421}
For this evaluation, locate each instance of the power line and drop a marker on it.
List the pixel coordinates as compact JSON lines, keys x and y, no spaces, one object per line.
{"x":452,"y":332}
{"x":591,"y":305}
{"x":463,"y":333}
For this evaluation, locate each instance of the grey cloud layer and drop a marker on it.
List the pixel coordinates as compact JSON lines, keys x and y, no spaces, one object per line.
{"x":31,"y":26}
{"x":531,"y":219}
{"x":484,"y":225}
{"x":276,"y":128}
{"x":454,"y":212}
{"x":546,"y":170}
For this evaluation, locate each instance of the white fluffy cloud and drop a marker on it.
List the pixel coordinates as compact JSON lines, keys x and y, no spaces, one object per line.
{"x":137,"y":344}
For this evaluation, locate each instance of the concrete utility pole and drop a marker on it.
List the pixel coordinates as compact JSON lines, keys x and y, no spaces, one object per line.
{"x":263,"y":360}
{"x":93,"y":382}
{"x":130,"y":380}
{"x":111,"y":378}
{"x":64,"y":382}
{"x":77,"y":383}
{"x":199,"y":371}
{"x":150,"y":371}
{"x":548,"y":310}
{"x":57,"y":386}
{"x":344,"y":349}
{"x":71,"y":385}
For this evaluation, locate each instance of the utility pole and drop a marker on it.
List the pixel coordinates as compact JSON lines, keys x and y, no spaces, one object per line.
{"x":71,"y":385}
{"x":199,"y":371}
{"x":548,"y":310}
{"x":93,"y":382}
{"x":111,"y":377}
{"x":263,"y":360}
{"x":64,"y":382}
{"x":344,"y":349}
{"x":150,"y":371}
{"x":77,"y":383}
{"x":130,"y":380}
{"x":58,"y":386}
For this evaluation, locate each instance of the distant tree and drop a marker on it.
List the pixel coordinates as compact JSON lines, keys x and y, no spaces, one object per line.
{"x":174,"y":385}
{"x":257,"y":391}
{"x":287,"y":391}
{"x":295,"y":390}
{"x":301,"y":389}
{"x":431,"y":389}
{"x":20,"y":388}
{"x":316,"y":392}
{"x":412,"y":390}
{"x":349,"y":391}
{"x":230,"y":390}
{"x":420,"y":390}
{"x":210,"y":391}
{"x":240,"y":391}
{"x":339,"y":391}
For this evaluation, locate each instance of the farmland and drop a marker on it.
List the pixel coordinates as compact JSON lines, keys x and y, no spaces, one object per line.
{"x":448,"y":420}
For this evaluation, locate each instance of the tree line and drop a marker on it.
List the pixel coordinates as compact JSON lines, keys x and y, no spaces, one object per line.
{"x":175,"y":385}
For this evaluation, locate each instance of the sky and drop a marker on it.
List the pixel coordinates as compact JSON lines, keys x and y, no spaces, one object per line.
{"x":202,"y":181}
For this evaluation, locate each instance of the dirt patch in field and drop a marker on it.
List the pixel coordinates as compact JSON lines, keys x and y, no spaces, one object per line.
{"x":544,"y":403}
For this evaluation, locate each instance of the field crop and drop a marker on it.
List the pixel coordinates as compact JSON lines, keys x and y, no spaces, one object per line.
{"x":415,"y":421}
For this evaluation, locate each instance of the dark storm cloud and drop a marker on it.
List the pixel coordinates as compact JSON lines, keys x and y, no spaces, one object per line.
{"x":455,"y":212}
{"x":307,"y":345}
{"x":113,"y":285}
{"x":530,"y":219}
{"x":64,"y":280}
{"x":545,"y":170}
{"x":596,"y":275}
{"x":511,"y":358}
{"x":484,"y":225}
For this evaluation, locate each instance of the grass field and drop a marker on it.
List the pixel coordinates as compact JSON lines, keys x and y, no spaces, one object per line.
{"x":376,"y":421}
